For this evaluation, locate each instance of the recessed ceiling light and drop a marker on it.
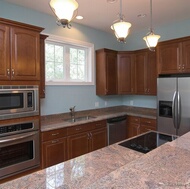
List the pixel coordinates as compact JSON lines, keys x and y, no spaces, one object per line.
{"x":111,"y":1}
{"x":79,"y":17}
{"x":141,"y":15}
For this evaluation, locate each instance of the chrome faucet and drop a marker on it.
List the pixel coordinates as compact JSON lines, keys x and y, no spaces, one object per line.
{"x":72,"y":109}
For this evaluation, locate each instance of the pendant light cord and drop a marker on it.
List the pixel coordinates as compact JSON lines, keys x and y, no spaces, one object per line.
{"x":151,"y":16}
{"x":120,"y":14}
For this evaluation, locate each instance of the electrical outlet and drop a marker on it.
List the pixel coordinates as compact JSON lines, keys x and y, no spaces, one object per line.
{"x":96,"y":104}
{"x":106,"y":103}
{"x":131,"y":102}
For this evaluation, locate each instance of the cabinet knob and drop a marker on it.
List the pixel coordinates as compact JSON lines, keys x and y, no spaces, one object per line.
{"x":8,"y":72}
{"x":179,"y":67}
{"x":183,"y":67}
{"x":13,"y":72}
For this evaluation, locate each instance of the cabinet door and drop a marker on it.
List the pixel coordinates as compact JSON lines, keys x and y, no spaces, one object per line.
{"x":125,"y":72}
{"x":147,"y":125}
{"x":151,"y":77}
{"x":168,"y":58}
{"x":111,"y":74}
{"x":186,"y":57}
{"x":25,"y":64}
{"x":98,"y":139}
{"x":78,"y":144}
{"x":4,"y":53}
{"x":54,"y":152}
{"x":140,"y":72}
{"x":133,"y":125}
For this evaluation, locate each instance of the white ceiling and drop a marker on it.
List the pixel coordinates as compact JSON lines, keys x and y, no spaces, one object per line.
{"x":100,"y":14}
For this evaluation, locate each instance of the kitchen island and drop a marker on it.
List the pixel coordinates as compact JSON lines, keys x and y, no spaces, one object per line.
{"x":166,"y":167}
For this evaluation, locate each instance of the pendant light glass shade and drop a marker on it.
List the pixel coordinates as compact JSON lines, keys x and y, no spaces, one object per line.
{"x":64,"y":10}
{"x":151,"y":39}
{"x":120,"y":27}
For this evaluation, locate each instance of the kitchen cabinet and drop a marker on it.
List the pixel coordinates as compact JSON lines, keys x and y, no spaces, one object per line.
{"x":147,"y":124}
{"x":138,"y":125}
{"x":54,"y":147}
{"x":145,"y":72}
{"x":126,"y":72}
{"x":19,"y":51}
{"x":85,"y":138}
{"x":106,"y":72}
{"x":42,"y":65}
{"x":173,"y":56}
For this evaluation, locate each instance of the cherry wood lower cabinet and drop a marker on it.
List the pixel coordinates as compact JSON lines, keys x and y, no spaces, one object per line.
{"x":54,"y":147}
{"x":138,"y":125}
{"x":86,"y":138}
{"x":60,"y":145}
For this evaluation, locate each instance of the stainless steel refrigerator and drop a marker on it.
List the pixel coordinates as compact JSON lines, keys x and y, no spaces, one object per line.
{"x":173,"y":101}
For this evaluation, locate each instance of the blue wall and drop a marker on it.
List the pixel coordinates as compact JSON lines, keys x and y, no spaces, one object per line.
{"x":60,"y":98}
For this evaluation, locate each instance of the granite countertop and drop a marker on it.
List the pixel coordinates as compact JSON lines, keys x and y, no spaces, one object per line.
{"x":116,"y":167}
{"x":57,"y":121}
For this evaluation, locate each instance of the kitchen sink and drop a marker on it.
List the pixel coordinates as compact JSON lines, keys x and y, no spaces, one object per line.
{"x":82,"y":118}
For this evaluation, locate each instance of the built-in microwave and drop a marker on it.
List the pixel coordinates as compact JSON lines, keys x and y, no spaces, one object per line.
{"x":18,"y":101}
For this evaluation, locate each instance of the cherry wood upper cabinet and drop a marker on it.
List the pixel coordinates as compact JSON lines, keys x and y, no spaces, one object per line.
{"x":106,"y":72}
{"x":42,"y":65}
{"x":20,"y":51}
{"x":145,"y":72}
{"x":173,"y":56}
{"x":125,"y":72}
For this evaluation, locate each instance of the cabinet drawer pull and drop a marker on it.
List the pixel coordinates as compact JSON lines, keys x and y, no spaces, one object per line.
{"x":55,"y":134}
{"x":148,"y":122}
{"x":77,"y":129}
{"x":54,"y":141}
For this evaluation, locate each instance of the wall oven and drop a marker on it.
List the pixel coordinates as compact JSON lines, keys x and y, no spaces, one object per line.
{"x":19,"y":147}
{"x":18,"y":101}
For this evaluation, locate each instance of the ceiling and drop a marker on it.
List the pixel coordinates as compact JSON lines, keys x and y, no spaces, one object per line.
{"x":100,"y":14}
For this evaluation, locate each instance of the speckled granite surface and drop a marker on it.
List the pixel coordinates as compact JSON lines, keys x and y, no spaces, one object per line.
{"x":116,"y":167}
{"x":59,"y":120}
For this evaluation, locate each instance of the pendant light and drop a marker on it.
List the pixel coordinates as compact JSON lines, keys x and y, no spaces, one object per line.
{"x":64,"y":11}
{"x":120,"y":27}
{"x":151,"y":39}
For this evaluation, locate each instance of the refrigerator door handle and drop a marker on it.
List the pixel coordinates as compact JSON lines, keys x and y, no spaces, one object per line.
{"x":174,"y":109}
{"x":178,"y":110}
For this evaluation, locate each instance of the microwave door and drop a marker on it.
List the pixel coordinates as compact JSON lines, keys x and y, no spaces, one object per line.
{"x":166,"y":114}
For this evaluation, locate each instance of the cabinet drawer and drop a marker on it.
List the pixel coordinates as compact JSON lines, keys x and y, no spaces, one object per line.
{"x":79,"y":128}
{"x":148,"y":121}
{"x":99,"y":124}
{"x":133,"y":119}
{"x":54,"y":134}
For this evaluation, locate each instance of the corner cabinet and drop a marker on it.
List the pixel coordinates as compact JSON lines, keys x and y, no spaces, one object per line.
{"x":19,"y":51}
{"x":106,"y":72}
{"x":85,"y":138}
{"x":126,"y":72}
{"x":145,"y":72}
{"x":173,"y":56}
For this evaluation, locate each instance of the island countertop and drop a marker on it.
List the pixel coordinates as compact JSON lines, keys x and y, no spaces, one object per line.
{"x":116,"y":167}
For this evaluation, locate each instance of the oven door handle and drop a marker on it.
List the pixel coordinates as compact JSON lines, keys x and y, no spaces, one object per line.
{"x":18,"y":137}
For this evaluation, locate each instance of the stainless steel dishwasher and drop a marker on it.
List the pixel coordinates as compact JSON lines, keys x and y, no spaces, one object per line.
{"x":117,"y":129}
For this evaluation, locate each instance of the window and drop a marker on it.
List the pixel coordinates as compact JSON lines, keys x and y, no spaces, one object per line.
{"x":68,"y":62}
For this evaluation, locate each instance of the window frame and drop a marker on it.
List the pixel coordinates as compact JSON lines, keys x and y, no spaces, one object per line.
{"x":74,"y":42}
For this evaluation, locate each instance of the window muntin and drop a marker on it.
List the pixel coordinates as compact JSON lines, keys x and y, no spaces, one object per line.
{"x":68,"y":63}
